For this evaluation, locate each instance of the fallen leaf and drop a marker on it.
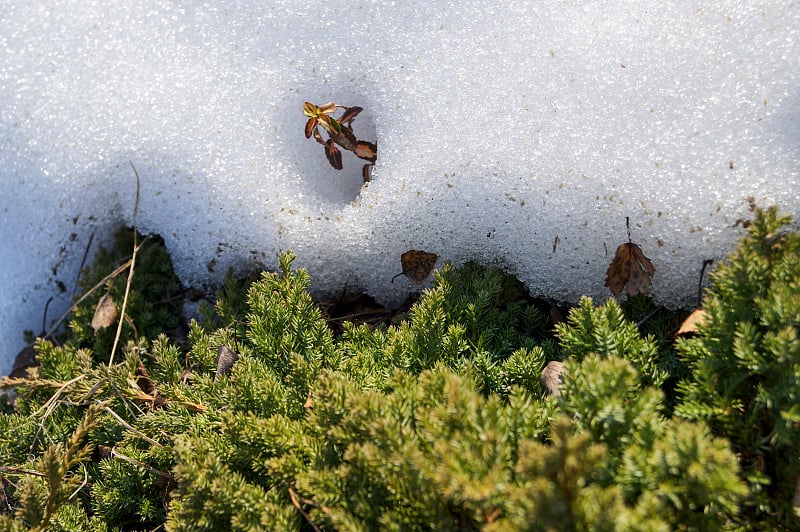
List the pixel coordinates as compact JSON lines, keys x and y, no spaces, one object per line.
{"x":144,"y":382}
{"x":691,"y":323}
{"x":553,"y":377}
{"x":105,"y":451}
{"x":148,"y":387}
{"x":105,"y":314}
{"x":630,"y":271}
{"x":225,"y":361}
{"x":417,"y":265}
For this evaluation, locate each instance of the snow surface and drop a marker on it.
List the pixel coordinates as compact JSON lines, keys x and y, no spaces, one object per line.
{"x":501,"y":127}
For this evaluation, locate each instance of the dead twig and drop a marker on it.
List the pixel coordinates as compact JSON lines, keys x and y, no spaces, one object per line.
{"x":127,"y":425}
{"x":111,"y":453}
{"x":21,"y":471}
{"x":96,"y":287}
{"x":48,"y":408}
{"x":130,"y":272}
{"x":706,"y":263}
{"x":83,"y":263}
{"x":650,"y":315}
{"x":296,"y":503}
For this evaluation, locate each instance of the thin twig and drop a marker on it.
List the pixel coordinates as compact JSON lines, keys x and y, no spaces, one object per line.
{"x":83,"y":484}
{"x":83,"y":263}
{"x":296,"y":503}
{"x":48,"y":407}
{"x":130,"y":273}
{"x":21,"y":471}
{"x":118,"y":394}
{"x":117,"y":454}
{"x":99,"y":285}
{"x":44,"y":316}
{"x":125,"y":424}
{"x":371,"y":314}
{"x":706,"y":263}
{"x":641,"y":321}
{"x":93,"y":389}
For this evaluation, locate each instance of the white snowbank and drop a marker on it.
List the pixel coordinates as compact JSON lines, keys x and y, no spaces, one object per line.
{"x":500,"y":126}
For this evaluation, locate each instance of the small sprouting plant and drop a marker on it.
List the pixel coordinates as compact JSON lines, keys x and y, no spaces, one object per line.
{"x":340,"y":132}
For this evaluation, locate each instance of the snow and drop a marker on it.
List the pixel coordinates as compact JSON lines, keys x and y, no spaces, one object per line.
{"x":501,"y":128}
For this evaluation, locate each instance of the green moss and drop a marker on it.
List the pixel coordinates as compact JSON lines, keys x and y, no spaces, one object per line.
{"x":745,"y":365}
{"x":437,"y":422}
{"x":154,"y":301}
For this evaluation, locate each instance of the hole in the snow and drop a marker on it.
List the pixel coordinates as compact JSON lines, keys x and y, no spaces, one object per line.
{"x":312,"y":161}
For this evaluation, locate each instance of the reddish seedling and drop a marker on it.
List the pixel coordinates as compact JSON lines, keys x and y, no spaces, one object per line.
{"x":340,"y":134}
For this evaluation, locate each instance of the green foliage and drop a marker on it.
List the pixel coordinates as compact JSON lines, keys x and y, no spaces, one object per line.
{"x":603,"y":395}
{"x":745,"y":363}
{"x":45,"y":494}
{"x":473,"y":319}
{"x":438,"y":422}
{"x":155,"y":297}
{"x":664,"y":467}
{"x":605,"y":331}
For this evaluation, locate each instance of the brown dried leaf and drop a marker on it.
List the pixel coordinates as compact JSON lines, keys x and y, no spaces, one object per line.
{"x":226,"y":358}
{"x":630,"y":271}
{"x":417,"y":265}
{"x":690,"y":324}
{"x":105,"y":451}
{"x":553,"y":377}
{"x":148,"y":387}
{"x":144,"y":382}
{"x":105,"y":314}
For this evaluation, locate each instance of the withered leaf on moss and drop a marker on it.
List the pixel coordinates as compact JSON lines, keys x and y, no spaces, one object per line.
{"x":146,"y":384}
{"x":226,"y":358}
{"x":692,"y":322}
{"x":630,"y":271}
{"x":553,"y":377}
{"x":105,"y":314}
